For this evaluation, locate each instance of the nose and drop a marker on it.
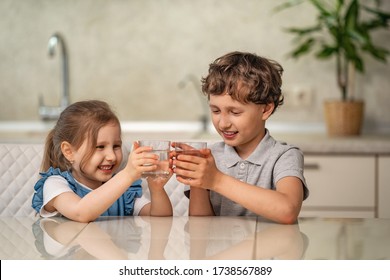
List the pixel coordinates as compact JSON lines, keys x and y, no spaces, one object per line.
{"x":224,"y":121}
{"x":110,"y":155}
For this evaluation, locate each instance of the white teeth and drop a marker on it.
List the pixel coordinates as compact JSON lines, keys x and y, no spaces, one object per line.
{"x":105,"y":167}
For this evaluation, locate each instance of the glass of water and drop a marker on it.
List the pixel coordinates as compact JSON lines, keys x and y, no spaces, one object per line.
{"x":190,"y":148}
{"x":160,"y":148}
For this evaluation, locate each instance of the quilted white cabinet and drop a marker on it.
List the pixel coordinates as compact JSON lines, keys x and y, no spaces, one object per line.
{"x":340,"y":186}
{"x":19,"y":167}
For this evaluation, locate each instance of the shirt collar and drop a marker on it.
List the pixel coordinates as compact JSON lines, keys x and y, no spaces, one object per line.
{"x":257,"y":157}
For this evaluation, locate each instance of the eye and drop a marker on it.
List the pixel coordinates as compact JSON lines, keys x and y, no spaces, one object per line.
{"x":116,"y":147}
{"x":100,"y":147}
{"x":236,"y":113}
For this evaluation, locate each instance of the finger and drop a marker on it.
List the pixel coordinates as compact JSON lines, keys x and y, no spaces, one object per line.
{"x":205,"y":152}
{"x":148,"y":161}
{"x":190,"y":159}
{"x":143,"y":149}
{"x":188,"y":181}
{"x":185,"y":173}
{"x":183,"y":146}
{"x":184,"y":164}
{"x":149,"y":156}
{"x":147,"y":167}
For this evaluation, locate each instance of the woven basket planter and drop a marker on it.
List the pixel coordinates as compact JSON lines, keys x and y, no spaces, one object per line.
{"x":344,"y":118}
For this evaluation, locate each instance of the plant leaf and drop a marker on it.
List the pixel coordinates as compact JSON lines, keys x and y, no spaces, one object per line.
{"x":352,"y":16}
{"x":303,"y":48}
{"x":303,"y":31}
{"x":326,"y":52}
{"x":381,"y":18}
{"x":287,"y":5}
{"x":377,"y":52}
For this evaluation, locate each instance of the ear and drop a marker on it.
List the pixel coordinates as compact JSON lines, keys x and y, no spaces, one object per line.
{"x":267,"y":110}
{"x":67,"y":151}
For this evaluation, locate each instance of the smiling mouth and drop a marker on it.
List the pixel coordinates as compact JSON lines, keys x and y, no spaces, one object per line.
{"x":106,"y":167}
{"x":229,"y":134}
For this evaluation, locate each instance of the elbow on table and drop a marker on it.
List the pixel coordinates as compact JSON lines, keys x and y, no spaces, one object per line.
{"x":83,"y":217}
{"x":289,"y":216}
{"x":288,"y":219}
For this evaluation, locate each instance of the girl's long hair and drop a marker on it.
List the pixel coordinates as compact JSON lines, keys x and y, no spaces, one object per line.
{"x":79,"y":121}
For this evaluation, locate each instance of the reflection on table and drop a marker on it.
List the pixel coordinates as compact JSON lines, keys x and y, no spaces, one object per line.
{"x":194,"y":238}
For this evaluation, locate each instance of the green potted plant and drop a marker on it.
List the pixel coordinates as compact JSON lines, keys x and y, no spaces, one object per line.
{"x":342,"y":31}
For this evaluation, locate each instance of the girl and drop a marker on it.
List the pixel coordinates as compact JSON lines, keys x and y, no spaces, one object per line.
{"x":82,"y":153}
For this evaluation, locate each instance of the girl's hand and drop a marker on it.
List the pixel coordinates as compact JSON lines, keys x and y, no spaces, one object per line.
{"x":158,"y":182}
{"x":140,"y":160}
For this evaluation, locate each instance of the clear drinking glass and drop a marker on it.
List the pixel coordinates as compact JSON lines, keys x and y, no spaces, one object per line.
{"x":190,"y":148}
{"x":160,"y":148}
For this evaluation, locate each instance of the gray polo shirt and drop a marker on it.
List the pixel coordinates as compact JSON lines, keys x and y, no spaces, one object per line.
{"x":270,"y":162}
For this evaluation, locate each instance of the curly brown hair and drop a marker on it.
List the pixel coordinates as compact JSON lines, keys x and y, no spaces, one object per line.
{"x":246,"y":77}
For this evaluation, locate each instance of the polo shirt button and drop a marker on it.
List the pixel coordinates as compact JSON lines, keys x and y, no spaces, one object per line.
{"x":242,"y":165}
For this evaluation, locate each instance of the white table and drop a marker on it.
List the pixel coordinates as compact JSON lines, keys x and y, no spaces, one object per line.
{"x":187,"y":238}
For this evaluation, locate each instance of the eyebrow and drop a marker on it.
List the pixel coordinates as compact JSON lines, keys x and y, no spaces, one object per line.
{"x":115,"y":142}
{"x":228,"y":108}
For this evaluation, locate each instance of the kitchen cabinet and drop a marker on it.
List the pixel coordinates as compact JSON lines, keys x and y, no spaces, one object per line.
{"x":340,"y":186}
{"x":384,"y":187}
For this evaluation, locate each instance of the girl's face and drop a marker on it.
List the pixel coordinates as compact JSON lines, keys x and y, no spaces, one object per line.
{"x":105,"y":160}
{"x":240,"y":125}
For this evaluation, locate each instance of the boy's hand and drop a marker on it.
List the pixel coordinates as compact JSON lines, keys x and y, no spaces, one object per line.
{"x":196,"y":171}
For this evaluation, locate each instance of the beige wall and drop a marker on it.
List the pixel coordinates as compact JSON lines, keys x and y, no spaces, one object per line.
{"x":134,"y":53}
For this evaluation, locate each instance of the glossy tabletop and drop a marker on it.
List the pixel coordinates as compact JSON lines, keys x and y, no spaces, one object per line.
{"x":188,"y":238}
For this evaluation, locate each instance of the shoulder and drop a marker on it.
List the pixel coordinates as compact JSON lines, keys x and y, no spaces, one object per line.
{"x":55,"y":185}
{"x":281,"y":147}
{"x":286,"y":154}
{"x":56,"y":180}
{"x":276,"y":155}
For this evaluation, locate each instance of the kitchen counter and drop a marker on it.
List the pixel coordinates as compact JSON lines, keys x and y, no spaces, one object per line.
{"x":323,"y":144}
{"x":320,"y":143}
{"x":311,"y":138}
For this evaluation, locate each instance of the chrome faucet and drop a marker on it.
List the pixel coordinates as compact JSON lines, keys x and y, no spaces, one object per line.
{"x":204,"y":118}
{"x":49,"y":112}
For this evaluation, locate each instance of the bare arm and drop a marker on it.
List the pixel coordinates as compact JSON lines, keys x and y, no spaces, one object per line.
{"x":92,"y":205}
{"x":282,"y":205}
{"x":160,"y":204}
{"x":200,"y":204}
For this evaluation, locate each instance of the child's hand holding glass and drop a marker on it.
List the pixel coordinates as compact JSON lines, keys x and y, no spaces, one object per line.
{"x":141,"y":160}
{"x":191,"y":163}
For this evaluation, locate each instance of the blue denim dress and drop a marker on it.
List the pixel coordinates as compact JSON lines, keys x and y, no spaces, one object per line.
{"x":124,"y":206}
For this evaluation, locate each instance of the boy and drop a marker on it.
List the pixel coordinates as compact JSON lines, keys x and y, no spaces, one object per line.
{"x":249,"y":173}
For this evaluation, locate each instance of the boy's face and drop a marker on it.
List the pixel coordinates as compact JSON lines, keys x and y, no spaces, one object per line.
{"x":240,"y":125}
